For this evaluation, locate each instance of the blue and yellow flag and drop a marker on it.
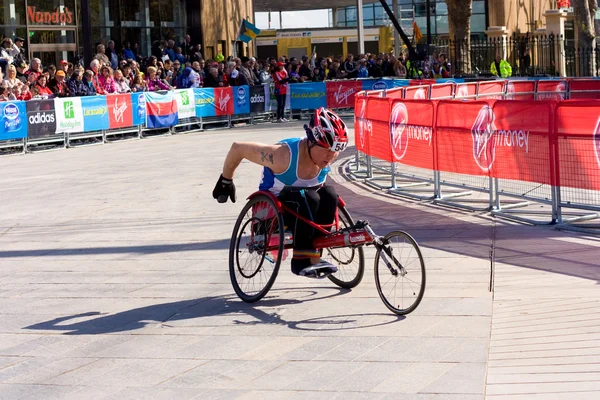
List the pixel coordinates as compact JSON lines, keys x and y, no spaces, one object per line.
{"x":248,"y":31}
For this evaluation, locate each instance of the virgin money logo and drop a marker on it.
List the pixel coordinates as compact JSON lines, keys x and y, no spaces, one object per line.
{"x":223,"y":101}
{"x":362,"y":108}
{"x":462,"y":91}
{"x":597,"y":141}
{"x":420,"y":94}
{"x":484,"y":145}
{"x":342,"y":97}
{"x":119,"y":110}
{"x":398,"y":122}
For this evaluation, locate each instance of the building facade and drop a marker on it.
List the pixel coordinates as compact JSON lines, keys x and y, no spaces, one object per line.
{"x":53,"y":29}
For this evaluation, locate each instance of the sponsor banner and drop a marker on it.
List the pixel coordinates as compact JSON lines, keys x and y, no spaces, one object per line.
{"x":378,"y":114}
{"x":138,"y":107}
{"x":69,"y":114}
{"x":464,"y":137}
{"x":522,"y":144}
{"x":449,"y":80}
{"x":120,"y":114}
{"x":465,"y":90}
{"x":258,"y":98}
{"x":362,"y":126}
{"x":41,"y":119}
{"x":417,"y":92}
{"x":307,"y":95}
{"x":186,"y":107}
{"x":241,"y":103}
{"x":552,"y":90}
{"x":378,"y":84}
{"x":161,"y":110}
{"x":401,"y":82}
{"x":205,"y":102}
{"x":442,"y":91}
{"x":340,"y":94}
{"x":584,"y":89}
{"x":520,"y":90}
{"x":223,"y":101}
{"x":490,"y":90}
{"x":411,"y":133}
{"x":578,"y":135}
{"x":95,"y":113}
{"x":13,"y":120}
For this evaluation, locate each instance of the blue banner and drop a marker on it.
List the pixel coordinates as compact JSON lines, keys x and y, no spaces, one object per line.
{"x":13,"y":120}
{"x":205,"y":102}
{"x":308,"y":95}
{"x":241,"y":97}
{"x":138,"y":107}
{"x":450,"y":80}
{"x":400,"y":82}
{"x":379,"y":84}
{"x":95,"y":113}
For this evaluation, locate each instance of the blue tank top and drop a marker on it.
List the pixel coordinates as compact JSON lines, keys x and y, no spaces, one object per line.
{"x":276,"y":182}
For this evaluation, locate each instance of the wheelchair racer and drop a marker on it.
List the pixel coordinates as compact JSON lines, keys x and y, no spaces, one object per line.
{"x":295,"y":170}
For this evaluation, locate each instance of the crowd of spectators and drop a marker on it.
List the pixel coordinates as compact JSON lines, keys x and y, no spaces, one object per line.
{"x":172,"y":66}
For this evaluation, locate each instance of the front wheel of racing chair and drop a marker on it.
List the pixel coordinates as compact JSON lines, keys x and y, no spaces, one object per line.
{"x":256,"y":248}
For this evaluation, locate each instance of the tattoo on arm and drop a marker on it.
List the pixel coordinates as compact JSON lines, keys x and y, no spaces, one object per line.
{"x":266,"y":157}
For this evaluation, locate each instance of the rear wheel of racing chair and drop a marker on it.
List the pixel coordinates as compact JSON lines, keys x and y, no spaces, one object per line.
{"x":349,"y":260}
{"x":256,"y":248}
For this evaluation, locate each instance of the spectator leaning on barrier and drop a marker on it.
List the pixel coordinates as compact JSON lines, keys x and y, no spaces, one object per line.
{"x":121,"y":82}
{"x":22,"y":72}
{"x":43,"y":90}
{"x":350,"y":67}
{"x":139,"y":83}
{"x":76,"y":85}
{"x":106,"y":80}
{"x":363,"y":71}
{"x":58,"y":85}
{"x":246,"y":72}
{"x":88,"y":80}
{"x":399,"y":69}
{"x":212,"y":79}
{"x":95,"y":67}
{"x":499,"y":64}
{"x":154,"y":83}
{"x":11,"y":77}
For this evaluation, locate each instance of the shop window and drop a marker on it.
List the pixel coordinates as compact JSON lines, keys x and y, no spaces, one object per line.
{"x":14,"y":13}
{"x":442,"y":8}
{"x":478,"y":7}
{"x":478,"y":23}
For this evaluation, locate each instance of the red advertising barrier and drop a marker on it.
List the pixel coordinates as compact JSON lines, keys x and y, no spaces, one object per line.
{"x":411,"y":132}
{"x":464,"y":133}
{"x":362,"y":126}
{"x":395,"y":93}
{"x":442,"y":91}
{"x":551,"y":90}
{"x":490,"y":90}
{"x":421,"y":82}
{"x":416,"y":92}
{"x":584,"y":89}
{"x":520,"y":90}
{"x":522,"y":144}
{"x":466,"y":90}
{"x":378,"y":114}
{"x":340,"y":94}
{"x":578,"y":138}
{"x":120,"y":113}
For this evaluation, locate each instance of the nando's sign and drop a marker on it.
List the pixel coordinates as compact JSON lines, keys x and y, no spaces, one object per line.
{"x":36,"y":16}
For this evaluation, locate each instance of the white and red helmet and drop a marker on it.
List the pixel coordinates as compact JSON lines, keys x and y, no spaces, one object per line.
{"x":327,"y":130}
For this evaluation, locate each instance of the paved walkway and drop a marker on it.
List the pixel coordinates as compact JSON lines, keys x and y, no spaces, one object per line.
{"x":114,"y":285}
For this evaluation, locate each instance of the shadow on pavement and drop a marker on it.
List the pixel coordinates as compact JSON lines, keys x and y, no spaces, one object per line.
{"x":167,"y":314}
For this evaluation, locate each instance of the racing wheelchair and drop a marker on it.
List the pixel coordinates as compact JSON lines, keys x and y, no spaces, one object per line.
{"x":260,"y":242}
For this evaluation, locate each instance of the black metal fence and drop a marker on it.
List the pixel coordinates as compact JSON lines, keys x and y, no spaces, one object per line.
{"x":527,"y":55}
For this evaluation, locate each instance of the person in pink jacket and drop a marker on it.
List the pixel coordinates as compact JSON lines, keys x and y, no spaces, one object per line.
{"x":154,"y":83}
{"x":107,"y":81}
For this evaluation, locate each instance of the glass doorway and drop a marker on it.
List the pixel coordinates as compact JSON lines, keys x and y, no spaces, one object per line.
{"x":53,"y":45}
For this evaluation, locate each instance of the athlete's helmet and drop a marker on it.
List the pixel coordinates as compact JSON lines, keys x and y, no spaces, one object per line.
{"x":327,"y":130}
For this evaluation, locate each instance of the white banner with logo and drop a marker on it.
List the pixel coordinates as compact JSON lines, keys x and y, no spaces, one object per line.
{"x":186,"y":104}
{"x":69,"y":114}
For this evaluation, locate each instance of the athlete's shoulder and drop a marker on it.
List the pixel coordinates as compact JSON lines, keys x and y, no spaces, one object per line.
{"x":292,"y":140}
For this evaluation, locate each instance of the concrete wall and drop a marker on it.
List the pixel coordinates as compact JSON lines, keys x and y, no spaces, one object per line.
{"x":221,"y":21}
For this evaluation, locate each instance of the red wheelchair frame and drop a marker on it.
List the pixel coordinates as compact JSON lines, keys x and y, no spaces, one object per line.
{"x":330,"y":239}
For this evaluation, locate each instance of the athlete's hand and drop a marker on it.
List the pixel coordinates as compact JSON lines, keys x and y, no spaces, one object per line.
{"x":223,"y":189}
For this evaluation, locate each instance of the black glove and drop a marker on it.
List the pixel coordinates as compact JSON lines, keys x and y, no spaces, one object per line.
{"x":223,"y":189}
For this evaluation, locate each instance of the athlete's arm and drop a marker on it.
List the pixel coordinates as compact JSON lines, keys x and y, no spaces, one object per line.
{"x":274,"y":156}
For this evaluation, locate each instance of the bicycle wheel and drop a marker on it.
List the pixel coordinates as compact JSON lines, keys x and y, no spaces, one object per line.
{"x":400,"y":288}
{"x":255,"y":249}
{"x":349,"y":260}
